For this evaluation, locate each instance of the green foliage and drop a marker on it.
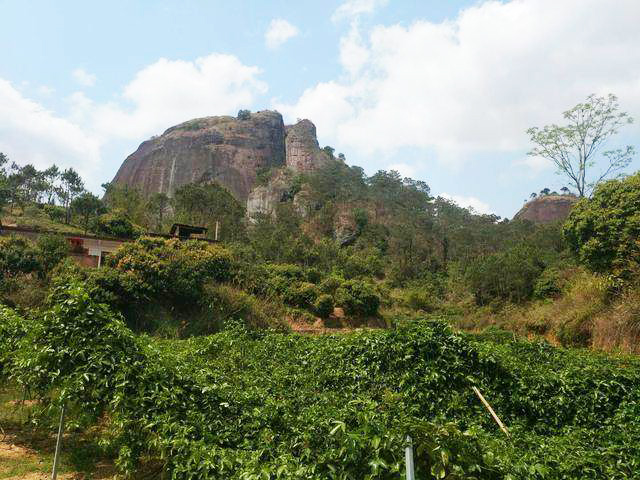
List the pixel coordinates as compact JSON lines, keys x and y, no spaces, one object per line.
{"x":204,"y":204}
{"x":573,"y":147}
{"x":548,"y":284}
{"x":55,"y":212}
{"x":334,"y":406}
{"x":173,"y":267}
{"x":420,"y":299}
{"x":12,"y":329}
{"x":158,"y":210}
{"x":114,"y":224}
{"x":18,"y":255}
{"x":244,"y":114}
{"x":358,"y":298}
{"x":87,"y":205}
{"x":126,"y":201}
{"x":302,"y":294}
{"x":52,"y":249}
{"x":510,"y":275}
{"x":323,"y":306}
{"x":603,"y":231}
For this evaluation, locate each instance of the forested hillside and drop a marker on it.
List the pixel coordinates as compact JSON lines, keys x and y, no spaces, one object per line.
{"x":182,"y":358}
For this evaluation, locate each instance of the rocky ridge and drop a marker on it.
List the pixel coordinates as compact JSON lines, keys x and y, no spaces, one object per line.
{"x":227,"y":150}
{"x":547,"y":208}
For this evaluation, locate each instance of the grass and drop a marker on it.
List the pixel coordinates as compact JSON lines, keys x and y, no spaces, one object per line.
{"x":36,"y":218}
{"x":585,"y":314}
{"x":27,"y":452}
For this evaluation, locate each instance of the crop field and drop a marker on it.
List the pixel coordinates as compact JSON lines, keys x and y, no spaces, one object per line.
{"x":264,"y":405}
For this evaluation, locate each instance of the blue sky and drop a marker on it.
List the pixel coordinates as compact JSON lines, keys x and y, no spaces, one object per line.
{"x":441,"y":90}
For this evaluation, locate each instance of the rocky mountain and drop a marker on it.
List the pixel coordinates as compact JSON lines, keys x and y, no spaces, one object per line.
{"x":547,"y":208}
{"x":227,"y":150}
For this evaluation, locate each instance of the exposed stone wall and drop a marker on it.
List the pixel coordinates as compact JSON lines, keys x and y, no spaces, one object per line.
{"x":228,"y":151}
{"x":222,"y":149}
{"x":547,"y":209}
{"x":303,"y":154}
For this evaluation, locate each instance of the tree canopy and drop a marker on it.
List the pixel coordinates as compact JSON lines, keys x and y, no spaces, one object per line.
{"x":574,"y":147}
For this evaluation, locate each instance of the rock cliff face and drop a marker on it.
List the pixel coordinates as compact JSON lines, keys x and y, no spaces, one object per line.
{"x":303,"y":153}
{"x":226,"y":150}
{"x":547,"y":209}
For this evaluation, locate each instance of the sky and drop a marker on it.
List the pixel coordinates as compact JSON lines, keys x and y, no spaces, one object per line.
{"x":441,"y":91}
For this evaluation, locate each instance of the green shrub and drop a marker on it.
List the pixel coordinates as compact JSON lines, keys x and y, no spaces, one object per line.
{"x":12,"y":329}
{"x":603,"y":230}
{"x":18,"y":255}
{"x":358,"y":298}
{"x":505,"y":276}
{"x":114,"y":224}
{"x":323,"y":306}
{"x":52,"y":249}
{"x":363,"y":263}
{"x":55,"y":212}
{"x":420,"y":299}
{"x":166,"y":273}
{"x":548,"y":284}
{"x":172,"y":268}
{"x":302,"y":294}
{"x":331,"y":284}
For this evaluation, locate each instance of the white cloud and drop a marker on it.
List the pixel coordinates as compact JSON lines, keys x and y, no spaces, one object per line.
{"x":474,"y":84}
{"x":403,"y":169}
{"x":354,"y":8}
{"x":469,"y":202}
{"x":83,"y":77}
{"x":354,"y":54}
{"x":45,"y":90}
{"x":168,"y":92}
{"x":279,"y":32}
{"x":534,"y":165}
{"x":160,"y":95}
{"x":29,"y":133}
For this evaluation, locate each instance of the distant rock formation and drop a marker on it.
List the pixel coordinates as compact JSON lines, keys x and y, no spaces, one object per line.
{"x":303,"y":153}
{"x":547,"y":208}
{"x":226,"y":150}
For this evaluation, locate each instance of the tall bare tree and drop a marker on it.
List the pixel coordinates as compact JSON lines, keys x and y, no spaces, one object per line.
{"x":574,"y":148}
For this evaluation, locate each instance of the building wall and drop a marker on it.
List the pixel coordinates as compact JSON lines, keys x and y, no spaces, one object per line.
{"x":86,"y":250}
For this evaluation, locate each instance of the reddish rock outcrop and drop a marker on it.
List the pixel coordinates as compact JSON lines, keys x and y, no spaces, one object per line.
{"x":226,"y":150}
{"x":303,"y":154}
{"x":222,"y":149}
{"x":547,"y":209}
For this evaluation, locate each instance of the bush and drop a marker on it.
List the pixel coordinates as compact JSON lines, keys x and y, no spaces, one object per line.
{"x":505,"y":276}
{"x":55,"y":212}
{"x":18,"y":255}
{"x":52,"y":249}
{"x":603,"y":230}
{"x":114,"y":225}
{"x":172,"y":269}
{"x":358,"y":298}
{"x":420,"y":299}
{"x":548,"y":284}
{"x":331,"y":284}
{"x":12,"y":329}
{"x":302,"y":294}
{"x":152,"y":272}
{"x":323,"y":306}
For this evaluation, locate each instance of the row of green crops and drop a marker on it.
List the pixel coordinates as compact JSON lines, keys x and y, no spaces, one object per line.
{"x":266,"y":405}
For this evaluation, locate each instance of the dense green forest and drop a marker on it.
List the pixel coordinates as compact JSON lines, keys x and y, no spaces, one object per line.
{"x":374,"y":247}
